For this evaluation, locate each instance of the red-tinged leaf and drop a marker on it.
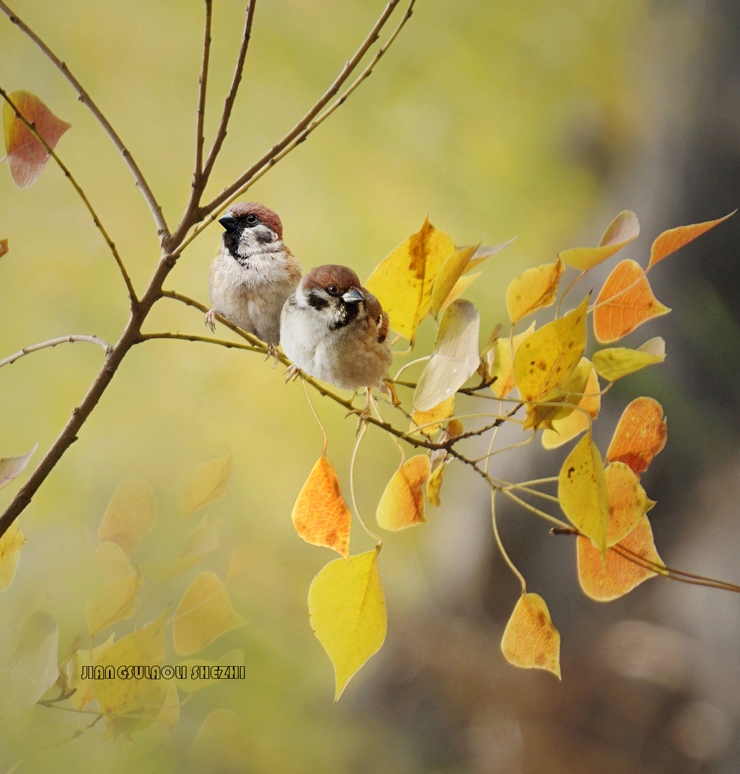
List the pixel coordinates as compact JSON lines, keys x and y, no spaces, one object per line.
{"x":320,"y":514}
{"x":625,"y":228}
{"x":605,"y":581}
{"x":675,"y":238}
{"x":625,"y":301}
{"x":27,"y":156}
{"x":641,"y":434}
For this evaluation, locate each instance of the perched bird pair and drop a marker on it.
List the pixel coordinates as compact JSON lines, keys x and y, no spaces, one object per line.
{"x":329,"y":325}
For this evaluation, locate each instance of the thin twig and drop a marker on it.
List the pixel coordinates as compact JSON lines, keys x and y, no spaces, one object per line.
{"x":78,"y":188}
{"x":318,"y":421}
{"x":203,"y":339}
{"x":231,"y":97}
{"x":85,"y":98}
{"x":54,"y":343}
{"x":367,"y":529}
{"x":202,"y":88}
{"x":501,"y":548}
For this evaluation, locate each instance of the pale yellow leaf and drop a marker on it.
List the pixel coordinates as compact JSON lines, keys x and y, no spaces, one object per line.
{"x":404,"y":280}
{"x":348,"y":614}
{"x":434,"y":485}
{"x":583,"y":493}
{"x":455,"y":358}
{"x":201,"y":672}
{"x":205,"y":613}
{"x":485,"y":251}
{"x":431,"y":421}
{"x":11,"y":544}
{"x":114,"y":596}
{"x":83,"y":689}
{"x":616,"y":362}
{"x":625,"y":228}
{"x":131,"y":514}
{"x":10,"y":467}
{"x":207,"y":484}
{"x":203,"y":540}
{"x":500,"y":362}
{"x":530,"y":640}
{"x":564,"y":429}
{"x":546,"y":359}
{"x":402,"y":503}
{"x":222,"y":745}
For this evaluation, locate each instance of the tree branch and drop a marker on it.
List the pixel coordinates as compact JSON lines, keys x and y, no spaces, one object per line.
{"x":203,"y":85}
{"x":54,"y":343}
{"x":85,"y":98}
{"x":78,"y":188}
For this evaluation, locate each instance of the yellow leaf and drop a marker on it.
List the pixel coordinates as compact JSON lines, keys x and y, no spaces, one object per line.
{"x":320,"y":514}
{"x":535,"y":289}
{"x":583,"y":493}
{"x":196,"y":679}
{"x":10,"y":467}
{"x":500,"y":362}
{"x":564,"y":429}
{"x":455,"y":358}
{"x":348,"y":614}
{"x":205,"y":613}
{"x":35,"y":666}
{"x":604,"y":581}
{"x":530,"y":640}
{"x":222,"y":746}
{"x":203,"y":540}
{"x":142,"y":648}
{"x":241,"y":559}
{"x":434,"y":485}
{"x":569,"y":395}
{"x":628,"y":502}
{"x":402,"y":503}
{"x":164,"y":717}
{"x":547,"y":358}
{"x":625,"y":228}
{"x":615,"y":362}
{"x":131,"y":514}
{"x":460,"y":287}
{"x":207,"y":484}
{"x":431,"y":421}
{"x":484,"y":251}
{"x":452,"y":269}
{"x":83,"y":689}
{"x":114,"y":597}
{"x":10,"y":553}
{"x":455,"y":428}
{"x":404,"y":280}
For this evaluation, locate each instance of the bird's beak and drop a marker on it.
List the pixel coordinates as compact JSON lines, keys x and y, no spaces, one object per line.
{"x":229,"y":222}
{"x":353,"y":296}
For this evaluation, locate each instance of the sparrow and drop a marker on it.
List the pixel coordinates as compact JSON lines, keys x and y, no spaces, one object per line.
{"x":336,"y":330}
{"x":253,"y":273}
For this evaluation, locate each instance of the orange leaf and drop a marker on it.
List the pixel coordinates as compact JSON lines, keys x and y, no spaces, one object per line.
{"x":640,"y":435}
{"x":625,"y":228}
{"x":530,"y":640}
{"x":320,"y":515}
{"x":402,"y":503}
{"x":3,"y":247}
{"x":625,"y":301}
{"x":675,"y":238}
{"x":27,"y":156}
{"x":628,"y":502}
{"x":607,"y":581}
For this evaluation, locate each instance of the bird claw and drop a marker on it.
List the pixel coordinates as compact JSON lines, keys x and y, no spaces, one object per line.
{"x":210,"y":319}
{"x":363,"y":415}
{"x":272,"y":351}
{"x":292,"y":373}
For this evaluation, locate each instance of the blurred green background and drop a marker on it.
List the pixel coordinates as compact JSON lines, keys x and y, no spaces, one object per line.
{"x":536,"y":119}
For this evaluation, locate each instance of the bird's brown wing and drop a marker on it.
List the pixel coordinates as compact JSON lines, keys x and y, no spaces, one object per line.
{"x":378,"y":318}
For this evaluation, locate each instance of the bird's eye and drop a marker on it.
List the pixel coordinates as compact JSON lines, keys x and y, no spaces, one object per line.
{"x":251,"y":218}
{"x":332,"y":290}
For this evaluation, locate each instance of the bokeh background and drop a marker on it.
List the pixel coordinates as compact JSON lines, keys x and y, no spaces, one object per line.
{"x":536,"y":119}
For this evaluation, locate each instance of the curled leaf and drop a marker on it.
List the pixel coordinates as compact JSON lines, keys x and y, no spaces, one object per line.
{"x":459,"y":288}
{"x":616,"y":362}
{"x":10,"y":467}
{"x":402,"y":503}
{"x":11,"y":544}
{"x":605,"y":581}
{"x":485,"y":251}
{"x":320,"y":514}
{"x":625,"y":228}
{"x":547,"y":358}
{"x":626,"y":301}
{"x":455,"y":357}
{"x":205,"y":613}
{"x":500,"y":362}
{"x":207,"y":484}
{"x":130,"y":516}
{"x":674,"y":239}
{"x":640,"y":434}
{"x":404,"y":280}
{"x":530,"y":640}
{"x":348,"y":614}
{"x":535,"y":289}
{"x":27,"y":156}
{"x":564,"y":428}
{"x":434,"y":484}
{"x":583,"y":493}
{"x":452,"y":269}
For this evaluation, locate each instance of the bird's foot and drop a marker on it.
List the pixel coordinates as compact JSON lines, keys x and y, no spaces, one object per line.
{"x":363,"y":414}
{"x":292,"y":373}
{"x":210,"y":319}
{"x":272,"y":352}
